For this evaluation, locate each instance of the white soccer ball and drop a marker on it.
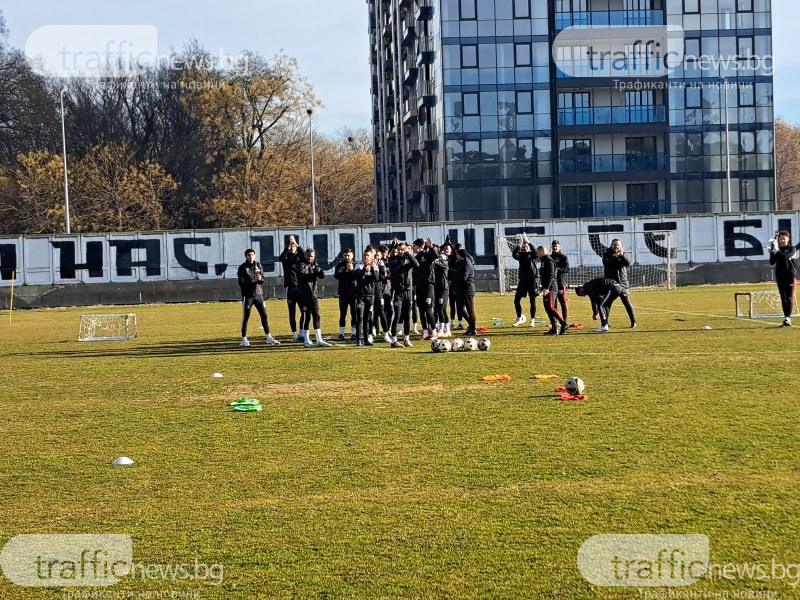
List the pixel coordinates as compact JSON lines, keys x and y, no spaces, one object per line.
{"x":444,"y":346}
{"x":436,"y":346}
{"x":484,"y":344}
{"x":457,"y":345}
{"x":575,"y":386}
{"x":471,"y":344}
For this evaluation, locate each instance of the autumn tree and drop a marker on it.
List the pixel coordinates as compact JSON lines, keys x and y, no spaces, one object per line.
{"x":114,"y":192}
{"x":787,"y":161}
{"x":32,"y":194}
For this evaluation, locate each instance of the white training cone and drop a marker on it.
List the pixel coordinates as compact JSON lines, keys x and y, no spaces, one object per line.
{"x":707,"y":328}
{"x":122,"y":460}
{"x":216,"y":375}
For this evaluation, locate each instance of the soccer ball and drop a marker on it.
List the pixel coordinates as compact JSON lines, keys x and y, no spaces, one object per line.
{"x":444,"y":346}
{"x":457,"y":345}
{"x":471,"y":344}
{"x":575,"y":386}
{"x":436,"y":345}
{"x":484,"y":344}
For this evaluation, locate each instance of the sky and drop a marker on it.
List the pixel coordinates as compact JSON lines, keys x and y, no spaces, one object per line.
{"x":328,"y":38}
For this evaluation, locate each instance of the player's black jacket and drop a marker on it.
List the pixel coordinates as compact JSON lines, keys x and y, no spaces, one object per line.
{"x":383,"y":287}
{"x":290,"y":263}
{"x":783,"y":260}
{"x":247,"y":279}
{"x":423,"y":274}
{"x":441,"y":273}
{"x":616,"y":268}
{"x":367,"y":280}
{"x":562,"y":268}
{"x":464,"y":276}
{"x":307,"y":275}
{"x":528,"y":271}
{"x":346,"y":279}
{"x":547,"y":273}
{"x":597,"y":289}
{"x":400,"y":268}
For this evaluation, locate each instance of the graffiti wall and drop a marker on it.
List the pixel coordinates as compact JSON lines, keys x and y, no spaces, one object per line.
{"x":216,"y":254}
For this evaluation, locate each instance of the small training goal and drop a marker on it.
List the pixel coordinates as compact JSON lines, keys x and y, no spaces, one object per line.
{"x":107,"y":328}
{"x":761,"y":305}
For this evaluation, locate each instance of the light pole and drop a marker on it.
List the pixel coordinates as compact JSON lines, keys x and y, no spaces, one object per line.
{"x":310,"y":113}
{"x":727,"y":144}
{"x":64,"y":148}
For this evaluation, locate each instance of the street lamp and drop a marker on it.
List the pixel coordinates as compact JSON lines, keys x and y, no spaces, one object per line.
{"x":64,"y":148}
{"x":310,"y":113}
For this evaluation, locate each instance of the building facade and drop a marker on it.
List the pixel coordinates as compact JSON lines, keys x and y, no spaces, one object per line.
{"x":537,"y":109}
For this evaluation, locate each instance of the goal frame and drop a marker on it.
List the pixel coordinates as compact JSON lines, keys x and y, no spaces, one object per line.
{"x":589,"y":264}
{"x":107,"y":327}
{"x":770,"y":298}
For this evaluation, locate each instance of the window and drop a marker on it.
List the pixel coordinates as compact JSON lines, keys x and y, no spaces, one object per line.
{"x":691,"y":7}
{"x":745,"y":47}
{"x":694,"y":97}
{"x":747,"y":95}
{"x":576,"y":201}
{"x":472,"y":104}
{"x":469,"y":10}
{"x":524,"y":103}
{"x":469,"y":56}
{"x":744,"y":6}
{"x":522,"y":9}
{"x":522,"y":55}
{"x":692,"y":49}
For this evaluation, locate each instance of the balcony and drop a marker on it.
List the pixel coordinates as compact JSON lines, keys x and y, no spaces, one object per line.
{"x":612,"y":115}
{"x":426,"y":50}
{"x":409,"y":73}
{"x":621,"y":18}
{"x":413,"y":188}
{"x":614,"y":163}
{"x":430,"y":182}
{"x":426,"y":94}
{"x":409,"y":29}
{"x":428,"y":137}
{"x":410,"y":113}
{"x":424,"y":10}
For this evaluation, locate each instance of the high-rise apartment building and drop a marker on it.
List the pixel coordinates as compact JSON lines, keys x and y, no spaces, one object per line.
{"x":532,"y":109}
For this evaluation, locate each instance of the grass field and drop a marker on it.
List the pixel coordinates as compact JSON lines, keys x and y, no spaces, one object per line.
{"x":381,"y":473}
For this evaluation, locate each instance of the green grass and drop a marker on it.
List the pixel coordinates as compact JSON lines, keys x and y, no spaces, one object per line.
{"x":380,"y":473}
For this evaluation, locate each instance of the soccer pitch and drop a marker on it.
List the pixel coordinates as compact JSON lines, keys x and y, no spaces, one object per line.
{"x":397,"y":473}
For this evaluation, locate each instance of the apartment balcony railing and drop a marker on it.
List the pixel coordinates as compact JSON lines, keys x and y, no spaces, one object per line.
{"x":622,"y":18}
{"x":614,"y":163}
{"x":612,"y":115}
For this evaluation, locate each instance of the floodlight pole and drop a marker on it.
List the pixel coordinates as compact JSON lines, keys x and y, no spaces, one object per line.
{"x":310,"y":113}
{"x":64,"y":148}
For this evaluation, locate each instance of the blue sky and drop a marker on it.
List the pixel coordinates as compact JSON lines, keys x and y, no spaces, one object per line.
{"x":328,"y":38}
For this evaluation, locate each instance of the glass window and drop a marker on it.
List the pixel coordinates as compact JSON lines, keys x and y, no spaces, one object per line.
{"x":745,"y":46}
{"x":471,"y":104}
{"x":694,"y":97}
{"x":744,"y":5}
{"x":469,"y":10}
{"x":747,"y":95}
{"x":691,"y":6}
{"x":469,"y":56}
{"x":522,"y":9}
{"x":522,"y":55}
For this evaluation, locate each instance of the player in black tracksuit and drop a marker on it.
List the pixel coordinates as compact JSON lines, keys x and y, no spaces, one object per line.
{"x":291,"y":258}
{"x":562,"y":270}
{"x":441,"y":292}
{"x":380,"y":319}
{"x":456,"y":309}
{"x":464,"y":281}
{"x":528,"y":281}
{"x":615,"y":266}
{"x":345,"y":274}
{"x":401,"y":266}
{"x":423,"y":286}
{"x":368,"y":277}
{"x":549,"y":278}
{"x":602,"y":292}
{"x":251,"y":279}
{"x":782,"y":256}
{"x":308,"y":271}
{"x":386,"y":290}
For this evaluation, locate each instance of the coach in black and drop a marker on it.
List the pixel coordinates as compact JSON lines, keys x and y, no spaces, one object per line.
{"x":291,"y":258}
{"x":615,"y":266}
{"x":782,"y":256}
{"x":562,"y":270}
{"x":251,"y":279}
